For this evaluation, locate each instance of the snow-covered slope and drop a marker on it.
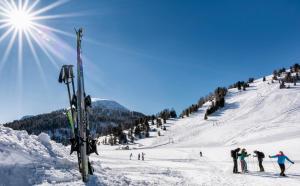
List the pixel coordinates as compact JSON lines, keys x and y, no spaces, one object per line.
{"x":263,"y":117}
{"x":261,"y":114}
{"x":108,"y":104}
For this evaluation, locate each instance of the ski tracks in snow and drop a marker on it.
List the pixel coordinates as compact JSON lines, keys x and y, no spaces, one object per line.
{"x":137,"y":172}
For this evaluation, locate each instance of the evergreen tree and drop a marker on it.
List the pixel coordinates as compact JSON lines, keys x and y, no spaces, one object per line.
{"x":251,"y":80}
{"x":173,"y":113}
{"x":288,"y":78}
{"x":152,"y":119}
{"x":187,"y":113}
{"x":239,"y":85}
{"x":137,"y":131}
{"x":205,"y":116}
{"x":114,"y":140}
{"x":296,"y":67}
{"x":147,"y":129}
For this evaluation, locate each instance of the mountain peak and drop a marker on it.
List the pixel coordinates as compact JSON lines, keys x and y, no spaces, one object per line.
{"x":108,"y":104}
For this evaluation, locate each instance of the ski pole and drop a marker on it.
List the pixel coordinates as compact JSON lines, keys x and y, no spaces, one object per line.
{"x":273,"y":164}
{"x":254,"y":164}
{"x":289,"y":167}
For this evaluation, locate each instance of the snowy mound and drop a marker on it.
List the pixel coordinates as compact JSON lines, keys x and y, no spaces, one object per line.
{"x":108,"y":104}
{"x":36,"y":160}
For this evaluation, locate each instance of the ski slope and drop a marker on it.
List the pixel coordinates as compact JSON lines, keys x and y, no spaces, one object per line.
{"x":263,"y":117}
{"x":261,"y":114}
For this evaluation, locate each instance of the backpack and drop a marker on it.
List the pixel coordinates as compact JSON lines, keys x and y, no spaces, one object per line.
{"x":260,"y":155}
{"x":233,"y":154}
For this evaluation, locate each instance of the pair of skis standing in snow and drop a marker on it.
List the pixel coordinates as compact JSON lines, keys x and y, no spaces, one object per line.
{"x":81,"y":141}
{"x":260,"y":156}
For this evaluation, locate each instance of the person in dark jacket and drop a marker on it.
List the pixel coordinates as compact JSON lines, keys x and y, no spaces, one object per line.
{"x":234,"y":155}
{"x":260,"y":156}
{"x":281,"y":160}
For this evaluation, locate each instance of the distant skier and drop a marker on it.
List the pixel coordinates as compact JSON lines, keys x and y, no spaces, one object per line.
{"x":260,"y":156}
{"x":139,"y":156}
{"x":200,"y":153}
{"x":242,"y":156}
{"x":143,"y":156}
{"x":234,"y":155}
{"x":281,"y":160}
{"x":130,"y":156}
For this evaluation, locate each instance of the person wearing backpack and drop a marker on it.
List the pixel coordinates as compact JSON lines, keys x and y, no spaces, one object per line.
{"x":260,"y":156}
{"x":234,"y":155}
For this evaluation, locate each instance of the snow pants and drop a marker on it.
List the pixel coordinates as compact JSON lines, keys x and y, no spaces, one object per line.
{"x":282,"y":168}
{"x":235,"y":166}
{"x":261,"y":167}
{"x":244,"y":166}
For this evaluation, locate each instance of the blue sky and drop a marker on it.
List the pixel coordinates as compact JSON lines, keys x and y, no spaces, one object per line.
{"x":151,"y":55}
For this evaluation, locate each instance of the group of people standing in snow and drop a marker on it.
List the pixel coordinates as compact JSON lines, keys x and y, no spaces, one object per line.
{"x":139,"y":156}
{"x":242,"y":155}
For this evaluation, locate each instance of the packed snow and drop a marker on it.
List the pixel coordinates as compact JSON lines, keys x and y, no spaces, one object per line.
{"x":263,"y":118}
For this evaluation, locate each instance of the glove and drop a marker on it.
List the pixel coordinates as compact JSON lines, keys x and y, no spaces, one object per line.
{"x":293,"y":162}
{"x":269,"y":156}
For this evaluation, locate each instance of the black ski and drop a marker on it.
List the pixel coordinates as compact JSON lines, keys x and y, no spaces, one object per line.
{"x":81,"y":141}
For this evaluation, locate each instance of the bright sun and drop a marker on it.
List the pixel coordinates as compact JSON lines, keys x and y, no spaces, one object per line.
{"x":22,"y":24}
{"x":20,"y":19}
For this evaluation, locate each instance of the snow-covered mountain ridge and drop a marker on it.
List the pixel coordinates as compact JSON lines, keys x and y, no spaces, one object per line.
{"x":262,"y":113}
{"x":103,"y":115}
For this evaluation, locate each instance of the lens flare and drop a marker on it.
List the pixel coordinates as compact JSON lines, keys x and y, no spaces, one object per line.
{"x":20,"y":21}
{"x":23,"y":28}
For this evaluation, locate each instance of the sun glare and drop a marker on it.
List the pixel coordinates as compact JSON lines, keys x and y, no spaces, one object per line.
{"x":22,"y":23}
{"x":20,"y":19}
{"x":24,"y":31}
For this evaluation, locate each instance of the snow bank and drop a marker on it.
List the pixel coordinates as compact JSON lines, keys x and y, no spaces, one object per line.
{"x":37,"y":160}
